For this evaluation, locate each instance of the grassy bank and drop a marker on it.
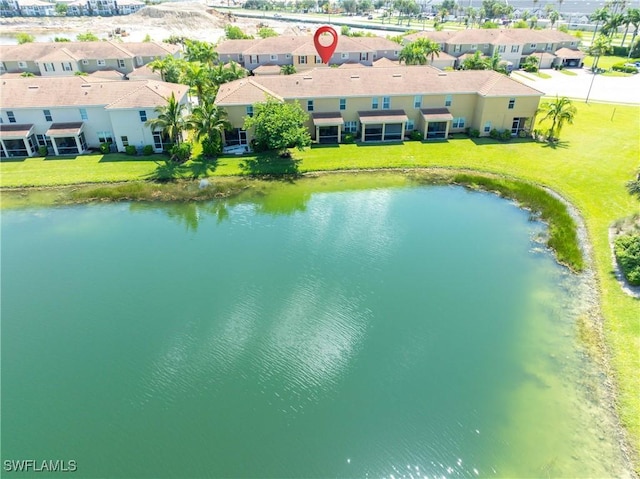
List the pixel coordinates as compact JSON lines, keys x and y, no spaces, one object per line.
{"x":589,"y":167}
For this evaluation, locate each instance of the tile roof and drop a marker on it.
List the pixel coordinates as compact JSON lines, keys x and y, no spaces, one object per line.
{"x":234,"y":46}
{"x":84,"y":50}
{"x":568,"y":53}
{"x":42,"y":92}
{"x":382,"y":116}
{"x":60,"y":129}
{"x":15,"y":130}
{"x":509,"y":36}
{"x":378,"y":43}
{"x":400,"y":80}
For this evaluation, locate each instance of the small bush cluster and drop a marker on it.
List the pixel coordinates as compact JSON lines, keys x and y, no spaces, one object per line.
{"x":42,"y":151}
{"x":130,"y":150}
{"x":627,"y":251}
{"x":504,"y":135}
{"x":621,"y":67}
{"x":348,"y":138}
{"x":181,"y":153}
{"x":416,"y":135}
{"x":105,"y":148}
{"x":473,"y":133}
{"x":147,"y":150}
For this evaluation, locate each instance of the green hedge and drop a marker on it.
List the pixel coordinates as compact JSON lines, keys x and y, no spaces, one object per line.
{"x":627,"y":250}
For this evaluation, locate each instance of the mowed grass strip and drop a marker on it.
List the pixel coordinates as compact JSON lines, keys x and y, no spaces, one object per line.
{"x":589,"y":167}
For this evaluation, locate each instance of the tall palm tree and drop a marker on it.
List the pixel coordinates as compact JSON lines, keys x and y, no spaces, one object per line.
{"x":476,"y":62}
{"x":634,"y":14}
{"x":627,"y":21}
{"x":412,"y":54}
{"x":203,"y":52}
{"x":208,"y":122}
{"x":553,"y":17}
{"x":559,"y":111}
{"x":170,"y":120}
{"x":600,"y":15}
{"x":196,"y":75}
{"x":611,"y":26}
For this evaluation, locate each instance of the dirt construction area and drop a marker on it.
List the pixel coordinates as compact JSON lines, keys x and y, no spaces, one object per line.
{"x":189,"y":19}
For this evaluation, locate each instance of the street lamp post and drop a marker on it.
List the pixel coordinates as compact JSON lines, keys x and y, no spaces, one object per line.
{"x":595,"y":72}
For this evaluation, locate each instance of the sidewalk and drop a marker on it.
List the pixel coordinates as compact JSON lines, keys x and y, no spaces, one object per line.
{"x":603,"y":88}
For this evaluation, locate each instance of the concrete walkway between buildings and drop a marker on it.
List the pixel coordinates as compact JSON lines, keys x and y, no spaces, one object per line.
{"x":603,"y":88}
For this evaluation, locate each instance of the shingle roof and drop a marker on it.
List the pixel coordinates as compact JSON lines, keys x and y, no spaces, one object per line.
{"x":568,"y":53}
{"x":77,"y":91}
{"x":473,"y":36}
{"x":401,"y":80}
{"x":234,"y":46}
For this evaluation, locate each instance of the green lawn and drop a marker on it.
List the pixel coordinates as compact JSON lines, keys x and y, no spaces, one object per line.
{"x":607,"y":61}
{"x":589,"y":167}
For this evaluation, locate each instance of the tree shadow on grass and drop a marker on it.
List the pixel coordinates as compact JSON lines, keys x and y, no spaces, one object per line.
{"x":271,"y":165}
{"x":120,"y":157}
{"x":202,"y":166}
{"x":166,"y":171}
{"x":483,"y":141}
{"x":554,"y":145}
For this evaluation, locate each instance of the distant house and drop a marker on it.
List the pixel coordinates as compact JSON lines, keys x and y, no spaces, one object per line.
{"x":512,"y":45}
{"x":74,"y":114}
{"x":38,"y":8}
{"x":387,"y":102}
{"x":67,"y":58}
{"x":301,"y":52}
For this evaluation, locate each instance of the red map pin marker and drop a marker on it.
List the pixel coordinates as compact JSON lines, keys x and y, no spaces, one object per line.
{"x":325,"y":52}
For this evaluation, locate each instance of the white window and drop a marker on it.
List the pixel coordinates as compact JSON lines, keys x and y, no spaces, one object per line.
{"x":386,"y":102}
{"x":139,"y":61}
{"x":3,"y":67}
{"x":104,"y":137}
{"x":288,"y":55}
{"x":502,"y":48}
{"x":533,"y":46}
{"x":102,"y":63}
{"x":309,"y":105}
{"x":343,"y":103}
{"x":457,"y":48}
{"x":512,"y":103}
{"x":66,"y":66}
{"x":417,"y":101}
{"x":458,"y":122}
{"x":250,"y":110}
{"x":344,"y":55}
{"x":374,"y":103}
{"x":350,"y":126}
{"x":83,"y":114}
{"x":273,"y":58}
{"x":47,"y":115}
{"x":253,"y":58}
{"x":302,"y":60}
{"x":120,"y":63}
{"x":573,"y":44}
{"x":143,"y":115}
{"x":448,"y":100}
{"x":487,"y":127}
{"x":515,"y":48}
{"x":22,"y":64}
{"x":549,"y":47}
{"x":409,"y":126}
{"x":317,"y":60}
{"x":11,"y":117}
{"x":474,"y":47}
{"x":48,"y":67}
{"x":364,"y":56}
{"x":125,"y":141}
{"x":85,"y":62}
{"x":396,"y":53}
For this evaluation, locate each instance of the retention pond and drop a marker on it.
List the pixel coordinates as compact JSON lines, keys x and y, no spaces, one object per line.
{"x":386,"y":331}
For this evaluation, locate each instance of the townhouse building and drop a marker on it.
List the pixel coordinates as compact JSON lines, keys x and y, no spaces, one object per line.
{"x":386,"y":103}
{"x":39,"y":8}
{"x":71,"y":115}
{"x":555,"y":48}
{"x":300,"y":51}
{"x":68,"y":58}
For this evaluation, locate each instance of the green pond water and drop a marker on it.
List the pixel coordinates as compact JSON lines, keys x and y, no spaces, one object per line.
{"x":309,"y":331}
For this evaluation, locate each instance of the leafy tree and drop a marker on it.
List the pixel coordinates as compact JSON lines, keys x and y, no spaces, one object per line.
{"x":266,"y":32}
{"x":24,"y":38}
{"x":208,"y":122}
{"x":611,"y":26}
{"x":61,"y":9}
{"x":278,"y":126}
{"x":533,"y":22}
{"x":171,"y":120}
{"x":26,"y":74}
{"x":197,"y":77}
{"x":633,"y":186}
{"x":476,"y":62}
{"x":86,"y":37}
{"x":234,"y":33}
{"x":633,"y":16}
{"x":419,"y":52}
{"x":601,"y":46}
{"x":559,"y":112}
{"x":169,"y":68}
{"x":147,"y":38}
{"x":531,"y":64}
{"x":288,"y":69}
{"x":554,"y":16}
{"x":350,"y":6}
{"x":365,"y":6}
{"x":489,"y":25}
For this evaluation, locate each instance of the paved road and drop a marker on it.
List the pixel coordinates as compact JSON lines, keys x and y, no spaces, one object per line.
{"x":606,"y":89}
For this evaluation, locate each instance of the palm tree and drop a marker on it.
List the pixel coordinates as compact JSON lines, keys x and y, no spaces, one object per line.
{"x":553,"y":17}
{"x":560,"y":111}
{"x":208,"y":122}
{"x":170,"y":119}
{"x":203,"y":52}
{"x":611,"y":26}
{"x":476,"y":62}
{"x":196,"y":75}
{"x":412,"y":54}
{"x":634,"y":15}
{"x":169,"y":68}
{"x":288,"y":69}
{"x":601,"y":46}
{"x":600,"y":15}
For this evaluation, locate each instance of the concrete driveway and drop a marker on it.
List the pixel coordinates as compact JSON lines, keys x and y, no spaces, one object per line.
{"x":604,"y":89}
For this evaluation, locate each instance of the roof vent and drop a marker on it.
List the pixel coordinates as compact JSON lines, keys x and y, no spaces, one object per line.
{"x":33,"y":87}
{"x":397,"y":75}
{"x":442,"y":74}
{"x":307,"y":78}
{"x":86,"y":85}
{"x":355,"y":76}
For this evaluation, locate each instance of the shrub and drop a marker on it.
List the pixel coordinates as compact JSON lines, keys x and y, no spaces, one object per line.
{"x":348,"y":138}
{"x":130,"y":150}
{"x":473,"y":133}
{"x":42,"y":151}
{"x":147,"y":150}
{"x":181,"y":153}
{"x":211,"y":147}
{"x":495,"y":134}
{"x":627,"y":251}
{"x":416,"y":135}
{"x":621,"y":67}
{"x":619,"y":51}
{"x":105,"y":148}
{"x":505,"y":135}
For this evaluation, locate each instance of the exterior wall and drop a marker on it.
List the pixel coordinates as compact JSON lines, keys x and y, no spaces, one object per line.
{"x":127,"y":123}
{"x":390,"y":54}
{"x":14,"y":67}
{"x":496,"y":110}
{"x":59,"y":68}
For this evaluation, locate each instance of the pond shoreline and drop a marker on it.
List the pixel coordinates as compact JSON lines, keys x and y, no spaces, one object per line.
{"x":228,"y":187}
